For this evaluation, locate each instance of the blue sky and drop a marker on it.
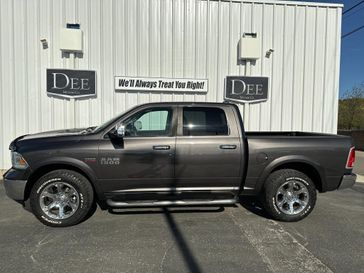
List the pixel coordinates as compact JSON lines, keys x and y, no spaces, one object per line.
{"x":352,"y":47}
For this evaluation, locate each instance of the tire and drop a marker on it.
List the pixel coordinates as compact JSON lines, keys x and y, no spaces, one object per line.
{"x":289,"y":195}
{"x":61,"y":198}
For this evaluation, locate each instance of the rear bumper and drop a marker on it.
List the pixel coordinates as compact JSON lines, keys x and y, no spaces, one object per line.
{"x":347,"y":181}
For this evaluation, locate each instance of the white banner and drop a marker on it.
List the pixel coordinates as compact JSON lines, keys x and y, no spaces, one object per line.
{"x":124,"y":83}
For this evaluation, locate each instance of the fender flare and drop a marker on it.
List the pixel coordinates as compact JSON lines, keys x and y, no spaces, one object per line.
{"x":74,"y":163}
{"x":290,"y":159}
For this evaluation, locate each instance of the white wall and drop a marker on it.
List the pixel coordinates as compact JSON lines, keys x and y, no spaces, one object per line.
{"x":168,"y":38}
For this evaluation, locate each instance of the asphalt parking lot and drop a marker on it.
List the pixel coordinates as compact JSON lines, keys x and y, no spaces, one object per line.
{"x":231,"y":239}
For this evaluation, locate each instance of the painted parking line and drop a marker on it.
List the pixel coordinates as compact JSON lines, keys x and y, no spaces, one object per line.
{"x":278,"y":249}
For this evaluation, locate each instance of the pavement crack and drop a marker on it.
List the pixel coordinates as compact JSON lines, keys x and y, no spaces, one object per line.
{"x":33,"y":259}
{"x":164,"y":258}
{"x":43,"y":242}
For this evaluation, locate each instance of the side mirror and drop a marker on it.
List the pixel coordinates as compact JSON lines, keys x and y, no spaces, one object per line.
{"x":138,"y":125}
{"x":120,"y":130}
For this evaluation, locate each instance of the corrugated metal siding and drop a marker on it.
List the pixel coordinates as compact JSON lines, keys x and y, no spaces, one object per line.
{"x":168,"y":38}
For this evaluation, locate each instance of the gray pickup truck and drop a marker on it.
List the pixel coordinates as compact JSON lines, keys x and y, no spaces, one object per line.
{"x":170,"y":154}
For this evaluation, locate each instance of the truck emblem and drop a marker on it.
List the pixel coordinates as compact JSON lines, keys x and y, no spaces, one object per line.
{"x":110,"y":161}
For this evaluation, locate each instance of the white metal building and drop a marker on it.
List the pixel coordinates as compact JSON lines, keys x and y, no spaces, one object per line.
{"x":169,"y":39}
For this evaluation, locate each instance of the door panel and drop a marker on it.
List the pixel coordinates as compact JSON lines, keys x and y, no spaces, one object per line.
{"x":144,"y":157}
{"x":141,"y":163}
{"x":208,"y":148}
{"x":201,"y":162}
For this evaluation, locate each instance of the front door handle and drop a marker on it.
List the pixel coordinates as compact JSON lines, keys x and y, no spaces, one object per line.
{"x":228,"y":147}
{"x":161,"y":147}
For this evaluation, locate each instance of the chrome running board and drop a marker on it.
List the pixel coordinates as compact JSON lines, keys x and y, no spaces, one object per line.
{"x":178,"y":189}
{"x":119,"y":204}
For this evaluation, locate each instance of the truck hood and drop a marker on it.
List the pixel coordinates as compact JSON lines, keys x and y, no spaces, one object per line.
{"x":47,"y":134}
{"x":54,"y":133}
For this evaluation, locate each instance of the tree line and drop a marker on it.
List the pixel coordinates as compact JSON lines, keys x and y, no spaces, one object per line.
{"x":351,"y":109}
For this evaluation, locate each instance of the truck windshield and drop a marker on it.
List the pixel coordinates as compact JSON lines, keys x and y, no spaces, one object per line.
{"x":110,"y":121}
{"x":106,"y":124}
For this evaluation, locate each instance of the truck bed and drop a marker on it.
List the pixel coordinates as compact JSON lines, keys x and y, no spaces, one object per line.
{"x":326,"y":152}
{"x":289,"y":134}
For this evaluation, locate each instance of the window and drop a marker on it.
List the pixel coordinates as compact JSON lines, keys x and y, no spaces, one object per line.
{"x":204,"y":121}
{"x":150,"y":123}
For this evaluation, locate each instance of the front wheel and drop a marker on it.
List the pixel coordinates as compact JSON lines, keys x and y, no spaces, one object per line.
{"x":289,"y":195}
{"x":61,"y":198}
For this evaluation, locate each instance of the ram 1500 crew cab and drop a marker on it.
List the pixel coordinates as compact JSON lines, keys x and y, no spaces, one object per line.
{"x":167,"y":154}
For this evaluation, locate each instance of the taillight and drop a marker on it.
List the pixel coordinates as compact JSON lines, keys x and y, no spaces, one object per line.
{"x":351,"y":158}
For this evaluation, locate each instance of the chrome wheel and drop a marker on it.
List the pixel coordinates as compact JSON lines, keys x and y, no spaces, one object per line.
{"x":292,"y":197}
{"x":59,"y":200}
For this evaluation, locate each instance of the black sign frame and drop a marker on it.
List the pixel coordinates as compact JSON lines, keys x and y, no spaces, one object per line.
{"x":259,"y":90}
{"x":84,"y":79}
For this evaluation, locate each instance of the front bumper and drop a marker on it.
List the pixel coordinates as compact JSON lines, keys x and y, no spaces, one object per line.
{"x":15,"y":182}
{"x":15,"y":189}
{"x":347,"y":181}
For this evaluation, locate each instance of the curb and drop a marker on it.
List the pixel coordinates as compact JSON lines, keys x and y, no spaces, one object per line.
{"x":359,"y":178}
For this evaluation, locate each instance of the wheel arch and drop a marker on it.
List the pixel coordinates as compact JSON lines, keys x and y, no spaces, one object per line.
{"x":312,"y":169}
{"x":42,"y":169}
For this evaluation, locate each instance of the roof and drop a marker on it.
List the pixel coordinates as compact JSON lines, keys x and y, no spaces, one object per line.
{"x":186,"y":103}
{"x":293,"y":3}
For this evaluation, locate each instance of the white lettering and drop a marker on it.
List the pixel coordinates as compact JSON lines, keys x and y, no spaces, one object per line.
{"x":242,"y":91}
{"x":84,"y":84}
{"x":259,"y":89}
{"x":75,"y":84}
{"x":250,"y":89}
{"x":55,"y":81}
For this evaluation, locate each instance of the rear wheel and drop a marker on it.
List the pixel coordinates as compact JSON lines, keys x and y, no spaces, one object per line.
{"x":289,"y":195}
{"x":61,"y":198}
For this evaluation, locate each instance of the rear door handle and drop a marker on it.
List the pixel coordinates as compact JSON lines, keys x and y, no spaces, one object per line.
{"x":228,"y":147}
{"x":161,"y":147}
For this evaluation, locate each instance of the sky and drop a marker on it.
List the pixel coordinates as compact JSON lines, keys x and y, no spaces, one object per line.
{"x":352,"y":47}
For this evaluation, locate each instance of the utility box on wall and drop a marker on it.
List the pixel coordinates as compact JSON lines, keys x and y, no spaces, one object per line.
{"x":249,"y":47}
{"x":71,"y":40}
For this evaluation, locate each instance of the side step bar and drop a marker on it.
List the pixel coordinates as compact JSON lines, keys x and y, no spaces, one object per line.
{"x":119,"y":204}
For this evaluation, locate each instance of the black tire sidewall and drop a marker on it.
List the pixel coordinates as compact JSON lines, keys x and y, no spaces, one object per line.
{"x":274,"y":181}
{"x":76,"y":180}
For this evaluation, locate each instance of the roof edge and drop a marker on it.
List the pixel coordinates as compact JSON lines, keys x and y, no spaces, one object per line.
{"x":291,"y":3}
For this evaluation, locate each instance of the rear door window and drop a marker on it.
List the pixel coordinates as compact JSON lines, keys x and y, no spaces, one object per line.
{"x":204,"y":121}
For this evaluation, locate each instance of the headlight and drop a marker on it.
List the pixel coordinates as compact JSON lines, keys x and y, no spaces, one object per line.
{"x":18,"y":161}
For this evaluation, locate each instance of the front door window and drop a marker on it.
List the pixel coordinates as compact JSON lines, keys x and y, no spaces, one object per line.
{"x":150,"y":123}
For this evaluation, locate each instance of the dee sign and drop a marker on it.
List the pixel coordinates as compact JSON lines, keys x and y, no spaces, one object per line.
{"x":246,"y":89}
{"x":71,"y":83}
